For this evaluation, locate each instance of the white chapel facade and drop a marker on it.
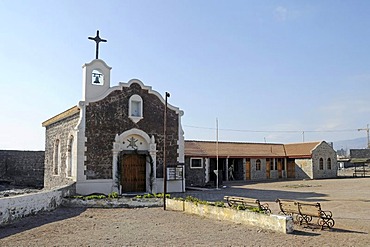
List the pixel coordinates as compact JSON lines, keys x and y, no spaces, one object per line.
{"x":113,"y":139}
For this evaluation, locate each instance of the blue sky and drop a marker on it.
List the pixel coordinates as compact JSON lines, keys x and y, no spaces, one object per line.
{"x":268,"y":70}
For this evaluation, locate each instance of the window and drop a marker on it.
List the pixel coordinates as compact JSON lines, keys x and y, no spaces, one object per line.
{"x":56,"y":158}
{"x":135,"y":111}
{"x":271,"y":164}
{"x":258,"y":165}
{"x":69,"y":157}
{"x":196,"y":163}
{"x":321,"y":164}
{"x":329,"y":164}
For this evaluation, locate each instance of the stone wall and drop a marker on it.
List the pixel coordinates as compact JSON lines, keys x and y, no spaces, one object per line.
{"x":13,"y":208}
{"x":303,"y":169}
{"x":23,"y":168}
{"x":258,"y":174}
{"x":194,"y":176}
{"x":278,"y":223}
{"x":63,"y":131}
{"x":108,"y":117}
{"x":324,"y":151}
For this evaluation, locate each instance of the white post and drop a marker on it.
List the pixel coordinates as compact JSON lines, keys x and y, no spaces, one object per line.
{"x":217,"y":153}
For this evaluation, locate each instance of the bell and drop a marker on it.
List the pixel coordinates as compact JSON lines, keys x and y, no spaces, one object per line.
{"x":97,"y":79}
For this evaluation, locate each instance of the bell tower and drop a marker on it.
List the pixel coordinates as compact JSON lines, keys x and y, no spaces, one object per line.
{"x":96,"y":75}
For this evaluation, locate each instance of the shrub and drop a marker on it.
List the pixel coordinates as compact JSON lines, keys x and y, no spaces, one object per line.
{"x":113,"y":195}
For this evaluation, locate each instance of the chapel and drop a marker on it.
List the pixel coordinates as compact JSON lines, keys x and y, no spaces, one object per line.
{"x":115,"y":138}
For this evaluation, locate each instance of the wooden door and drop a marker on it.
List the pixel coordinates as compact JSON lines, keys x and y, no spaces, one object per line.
{"x":268,"y":167}
{"x":280,"y":167}
{"x":291,"y":169}
{"x":248,"y":169}
{"x":133,"y":175}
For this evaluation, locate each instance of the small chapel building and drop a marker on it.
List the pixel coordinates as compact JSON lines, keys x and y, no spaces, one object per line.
{"x":113,"y":139}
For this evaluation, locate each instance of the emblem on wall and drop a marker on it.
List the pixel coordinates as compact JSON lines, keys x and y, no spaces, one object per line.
{"x":132,"y":143}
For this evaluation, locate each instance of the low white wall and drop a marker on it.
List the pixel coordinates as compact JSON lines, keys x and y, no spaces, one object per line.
{"x":104,"y":186}
{"x":13,"y":208}
{"x":273,"y":222}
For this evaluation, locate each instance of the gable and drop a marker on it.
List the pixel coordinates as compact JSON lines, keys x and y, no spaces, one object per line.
{"x":300,"y":150}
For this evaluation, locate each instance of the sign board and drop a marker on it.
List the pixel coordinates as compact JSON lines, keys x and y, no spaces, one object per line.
{"x":174,"y":173}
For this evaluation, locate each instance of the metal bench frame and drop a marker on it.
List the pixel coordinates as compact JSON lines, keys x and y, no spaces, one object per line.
{"x":247,"y":202}
{"x":305,"y":211}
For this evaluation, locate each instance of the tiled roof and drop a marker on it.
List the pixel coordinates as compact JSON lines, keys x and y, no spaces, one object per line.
{"x":61,"y":116}
{"x":295,"y":150}
{"x":233,"y":149}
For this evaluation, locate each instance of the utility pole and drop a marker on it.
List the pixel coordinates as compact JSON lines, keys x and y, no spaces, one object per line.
{"x":368,"y":137}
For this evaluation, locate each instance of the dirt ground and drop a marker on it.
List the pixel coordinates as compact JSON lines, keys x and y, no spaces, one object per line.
{"x":348,"y":199}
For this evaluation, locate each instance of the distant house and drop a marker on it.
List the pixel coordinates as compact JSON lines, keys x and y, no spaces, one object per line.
{"x":359,"y":153}
{"x":359,"y":157}
{"x":257,"y":161}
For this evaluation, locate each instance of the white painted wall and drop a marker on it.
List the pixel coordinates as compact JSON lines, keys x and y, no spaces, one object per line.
{"x":13,"y":208}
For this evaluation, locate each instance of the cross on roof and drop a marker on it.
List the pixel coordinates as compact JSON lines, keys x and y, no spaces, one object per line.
{"x":97,"y":39}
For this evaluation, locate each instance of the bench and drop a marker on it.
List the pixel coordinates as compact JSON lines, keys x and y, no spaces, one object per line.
{"x":363,"y":173}
{"x":288,"y":207}
{"x":308,"y":210}
{"x":305,"y":211}
{"x":234,"y":201}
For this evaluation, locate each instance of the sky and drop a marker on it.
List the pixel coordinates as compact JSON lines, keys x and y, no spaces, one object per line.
{"x":266,"y":71}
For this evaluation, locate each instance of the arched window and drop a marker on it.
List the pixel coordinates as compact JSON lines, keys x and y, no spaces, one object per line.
{"x":321,"y":164}
{"x":135,"y":106}
{"x":258,"y":165}
{"x":329,"y":164}
{"x":69,"y":157}
{"x":56,"y":157}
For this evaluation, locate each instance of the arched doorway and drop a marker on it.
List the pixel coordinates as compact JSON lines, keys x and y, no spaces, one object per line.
{"x":134,"y":162}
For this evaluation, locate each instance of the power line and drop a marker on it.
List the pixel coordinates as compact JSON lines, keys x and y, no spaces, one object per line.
{"x":276,"y":131}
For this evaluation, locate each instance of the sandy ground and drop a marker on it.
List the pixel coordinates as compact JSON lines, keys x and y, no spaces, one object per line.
{"x":348,"y":199}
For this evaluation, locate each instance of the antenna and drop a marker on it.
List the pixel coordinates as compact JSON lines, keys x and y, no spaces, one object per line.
{"x":368,"y":137}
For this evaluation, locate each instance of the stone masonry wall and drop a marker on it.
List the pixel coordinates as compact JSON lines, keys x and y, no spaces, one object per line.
{"x":109,"y":116}
{"x":324,"y":151}
{"x":258,"y":174}
{"x":303,"y":169}
{"x":23,"y":168}
{"x":194,"y":176}
{"x":62,"y":131}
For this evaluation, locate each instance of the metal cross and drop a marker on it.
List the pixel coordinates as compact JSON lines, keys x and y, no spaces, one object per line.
{"x":97,"y":39}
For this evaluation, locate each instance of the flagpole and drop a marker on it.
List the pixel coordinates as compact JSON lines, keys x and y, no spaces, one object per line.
{"x":217,"y":153}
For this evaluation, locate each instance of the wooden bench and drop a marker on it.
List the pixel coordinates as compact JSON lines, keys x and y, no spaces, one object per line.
{"x":288,"y":207}
{"x":234,"y":201}
{"x":304,"y":211}
{"x":308,"y":210}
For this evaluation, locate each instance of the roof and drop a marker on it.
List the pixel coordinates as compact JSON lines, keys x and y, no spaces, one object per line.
{"x":236,"y":149}
{"x":70,"y":112}
{"x":360,"y":160}
{"x":296,"y":150}
{"x":233,"y":149}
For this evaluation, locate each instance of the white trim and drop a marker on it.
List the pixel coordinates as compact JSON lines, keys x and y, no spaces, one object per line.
{"x":147,"y":145}
{"x":135,"y":98}
{"x":196,"y":158}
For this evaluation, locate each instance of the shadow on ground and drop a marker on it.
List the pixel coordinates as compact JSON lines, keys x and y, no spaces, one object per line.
{"x":43,"y":218}
{"x":262,"y":195}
